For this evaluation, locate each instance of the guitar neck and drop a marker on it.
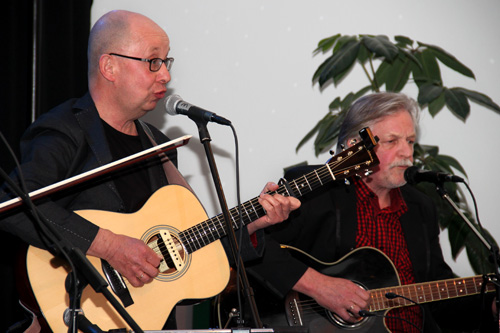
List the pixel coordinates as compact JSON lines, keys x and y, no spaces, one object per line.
{"x":428,"y":292}
{"x":341,"y":166}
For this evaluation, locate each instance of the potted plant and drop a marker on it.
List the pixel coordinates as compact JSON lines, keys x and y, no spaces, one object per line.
{"x":391,"y":66}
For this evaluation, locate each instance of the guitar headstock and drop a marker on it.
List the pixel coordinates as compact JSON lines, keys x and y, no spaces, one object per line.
{"x":359,"y":158}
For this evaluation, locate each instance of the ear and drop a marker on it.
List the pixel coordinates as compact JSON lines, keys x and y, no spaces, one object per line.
{"x":106,"y":67}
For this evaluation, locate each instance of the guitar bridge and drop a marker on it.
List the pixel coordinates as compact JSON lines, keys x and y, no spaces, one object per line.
{"x":166,"y":247}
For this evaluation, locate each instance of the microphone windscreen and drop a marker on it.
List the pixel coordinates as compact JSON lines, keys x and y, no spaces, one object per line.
{"x":171,"y":103}
{"x":410,"y":174}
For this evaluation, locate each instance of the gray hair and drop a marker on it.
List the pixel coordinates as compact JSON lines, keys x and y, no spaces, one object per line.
{"x":370,"y":109}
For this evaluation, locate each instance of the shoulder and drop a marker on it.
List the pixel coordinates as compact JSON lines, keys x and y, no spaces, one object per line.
{"x":61,"y":119}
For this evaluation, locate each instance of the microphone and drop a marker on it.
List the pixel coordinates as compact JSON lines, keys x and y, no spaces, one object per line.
{"x":414,"y":175}
{"x":175,"y":105}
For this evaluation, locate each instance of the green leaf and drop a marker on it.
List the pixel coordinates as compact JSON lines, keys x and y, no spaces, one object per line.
{"x":362,"y":92}
{"x":340,"y":61}
{"x":430,"y":150}
{"x":449,"y":60}
{"x":310,"y":134}
{"x":382,"y":73}
{"x":428,"y":92}
{"x":363,"y":54}
{"x":457,"y":103}
{"x":403,"y":41}
{"x":327,"y":133}
{"x":477,"y":252}
{"x":452,"y":162}
{"x":431,"y":66}
{"x":381,"y":46}
{"x":480,"y":99}
{"x":398,"y":74}
{"x":335,"y":104}
{"x":436,"y":105}
{"x":326,"y":44}
{"x":342,"y":40}
{"x":407,"y":54}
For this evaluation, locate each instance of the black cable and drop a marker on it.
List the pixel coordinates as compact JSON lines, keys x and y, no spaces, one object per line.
{"x":240,"y":220}
{"x":22,"y":192}
{"x":364,"y":314}
{"x":390,"y":295}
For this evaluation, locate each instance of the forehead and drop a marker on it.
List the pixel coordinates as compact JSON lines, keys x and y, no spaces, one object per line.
{"x":400,"y":123}
{"x":149,"y":39}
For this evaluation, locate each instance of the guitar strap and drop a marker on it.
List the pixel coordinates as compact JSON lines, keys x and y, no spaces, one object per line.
{"x":173,"y":175}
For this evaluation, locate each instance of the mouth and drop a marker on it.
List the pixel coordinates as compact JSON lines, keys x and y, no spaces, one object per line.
{"x":160,"y":94}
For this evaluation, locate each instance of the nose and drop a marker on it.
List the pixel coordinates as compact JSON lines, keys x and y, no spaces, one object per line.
{"x":406,"y":149}
{"x":163,"y":74}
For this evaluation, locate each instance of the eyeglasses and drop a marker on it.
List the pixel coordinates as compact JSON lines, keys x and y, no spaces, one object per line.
{"x":154,"y":64}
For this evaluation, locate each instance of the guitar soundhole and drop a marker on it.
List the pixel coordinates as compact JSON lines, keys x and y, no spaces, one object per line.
{"x":170,"y":258}
{"x":165,"y":242}
{"x":338,"y":321}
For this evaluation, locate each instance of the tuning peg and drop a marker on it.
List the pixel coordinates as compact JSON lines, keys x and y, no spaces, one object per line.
{"x":368,"y":172}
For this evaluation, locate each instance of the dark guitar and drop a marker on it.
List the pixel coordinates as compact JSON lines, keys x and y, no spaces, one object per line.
{"x":374,"y":271}
{"x":194,"y":264}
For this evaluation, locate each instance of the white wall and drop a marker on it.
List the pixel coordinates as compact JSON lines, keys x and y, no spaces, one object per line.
{"x":252,"y":62}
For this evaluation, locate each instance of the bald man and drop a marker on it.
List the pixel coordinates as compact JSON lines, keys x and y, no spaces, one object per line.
{"x":128,"y":69}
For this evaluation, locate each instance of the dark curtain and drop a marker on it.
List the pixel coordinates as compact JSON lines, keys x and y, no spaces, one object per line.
{"x":43,"y":62}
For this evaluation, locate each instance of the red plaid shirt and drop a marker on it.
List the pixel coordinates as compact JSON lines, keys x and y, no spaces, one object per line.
{"x":381,"y":229}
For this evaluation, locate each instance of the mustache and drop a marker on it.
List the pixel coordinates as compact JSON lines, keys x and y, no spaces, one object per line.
{"x":404,"y":162}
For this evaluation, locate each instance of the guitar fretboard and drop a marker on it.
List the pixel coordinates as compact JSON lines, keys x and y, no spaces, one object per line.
{"x":428,"y":292}
{"x":340,"y":166}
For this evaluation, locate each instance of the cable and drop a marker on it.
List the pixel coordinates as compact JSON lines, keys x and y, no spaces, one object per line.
{"x":364,"y":314}
{"x":22,"y":191}
{"x":391,"y":295}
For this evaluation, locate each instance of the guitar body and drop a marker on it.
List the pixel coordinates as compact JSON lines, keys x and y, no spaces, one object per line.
{"x":372,"y":270}
{"x":366,"y":266}
{"x":203,"y":273}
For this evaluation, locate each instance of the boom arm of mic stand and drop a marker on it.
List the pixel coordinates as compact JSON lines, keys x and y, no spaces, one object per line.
{"x":492,"y":249}
{"x":440,"y":189}
{"x":205,"y":140}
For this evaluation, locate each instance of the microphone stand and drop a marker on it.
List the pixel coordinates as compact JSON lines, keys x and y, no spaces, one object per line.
{"x":205,"y":140}
{"x":494,"y":253}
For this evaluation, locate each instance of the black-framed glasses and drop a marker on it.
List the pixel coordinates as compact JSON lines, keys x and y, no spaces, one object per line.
{"x":154,"y":64}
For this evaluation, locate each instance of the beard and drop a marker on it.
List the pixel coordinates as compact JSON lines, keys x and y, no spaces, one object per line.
{"x":394,"y":177}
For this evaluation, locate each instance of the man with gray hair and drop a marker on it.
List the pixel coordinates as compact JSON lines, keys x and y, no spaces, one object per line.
{"x":376,"y":211}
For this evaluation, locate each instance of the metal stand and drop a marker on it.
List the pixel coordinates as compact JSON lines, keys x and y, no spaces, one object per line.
{"x":205,"y":140}
{"x":494,"y":253}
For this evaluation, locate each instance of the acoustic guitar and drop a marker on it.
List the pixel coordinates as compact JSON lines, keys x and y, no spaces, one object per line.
{"x":374,"y":271}
{"x":194,"y":264}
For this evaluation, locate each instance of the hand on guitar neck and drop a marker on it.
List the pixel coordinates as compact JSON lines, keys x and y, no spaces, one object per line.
{"x":277,"y":207}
